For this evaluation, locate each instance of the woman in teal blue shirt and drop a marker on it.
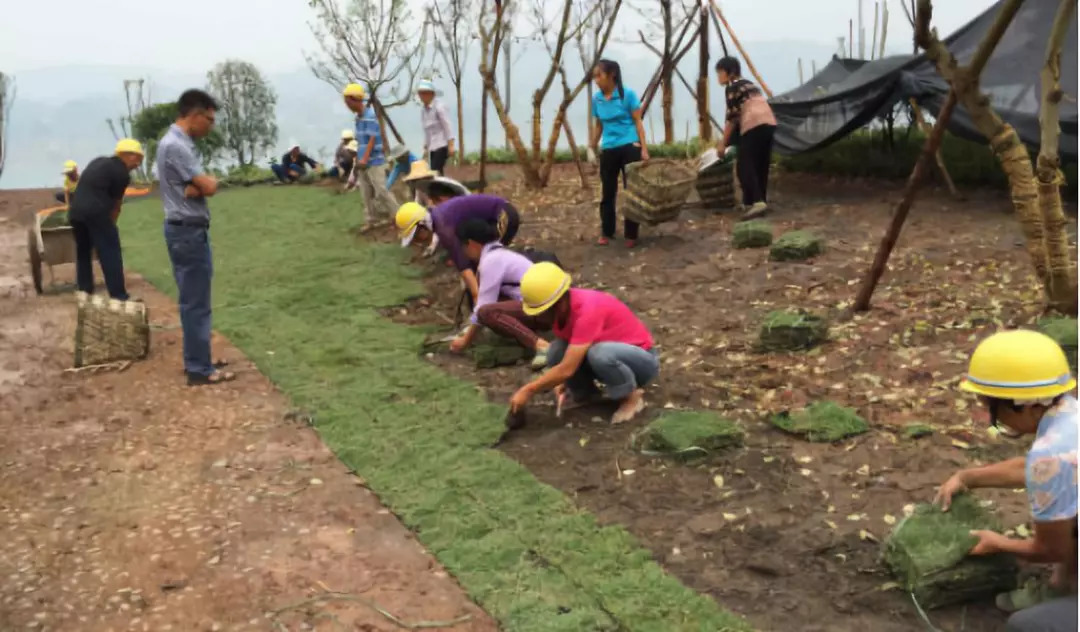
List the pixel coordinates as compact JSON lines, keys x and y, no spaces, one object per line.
{"x":621,"y":140}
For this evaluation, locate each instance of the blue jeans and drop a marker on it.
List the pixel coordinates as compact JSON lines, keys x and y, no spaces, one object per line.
{"x":620,"y":367}
{"x":282,"y":171}
{"x":193,"y":267}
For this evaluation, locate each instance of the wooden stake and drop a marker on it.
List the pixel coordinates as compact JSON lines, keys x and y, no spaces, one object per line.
{"x":938,"y":160}
{"x":702,"y":96}
{"x":738,"y":46}
{"x":930,"y":147}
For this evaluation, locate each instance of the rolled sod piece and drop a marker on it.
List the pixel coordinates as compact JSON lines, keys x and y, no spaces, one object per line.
{"x":1062,"y":330}
{"x":928,"y":554}
{"x":822,"y":422}
{"x":753,"y":234}
{"x":798,"y":245}
{"x":490,"y":356}
{"x":791,"y":330}
{"x":688,"y":435}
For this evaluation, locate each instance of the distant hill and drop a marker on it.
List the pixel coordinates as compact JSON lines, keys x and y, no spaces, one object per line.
{"x":59,"y":113}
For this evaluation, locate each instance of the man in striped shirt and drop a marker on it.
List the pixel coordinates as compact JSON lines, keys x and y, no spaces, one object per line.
{"x":369,"y":168}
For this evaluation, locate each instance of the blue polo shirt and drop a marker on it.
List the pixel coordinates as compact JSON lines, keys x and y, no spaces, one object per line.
{"x":367,"y":128}
{"x":616,"y":115}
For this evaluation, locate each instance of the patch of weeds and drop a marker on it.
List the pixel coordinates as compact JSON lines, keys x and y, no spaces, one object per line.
{"x":688,"y":435}
{"x":822,"y":422}
{"x":918,"y":431}
{"x":301,"y":297}
{"x":791,"y":330}
{"x":928,"y":553}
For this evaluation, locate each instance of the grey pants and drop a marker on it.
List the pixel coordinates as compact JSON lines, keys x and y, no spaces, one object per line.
{"x":620,"y":367}
{"x":1056,"y":615}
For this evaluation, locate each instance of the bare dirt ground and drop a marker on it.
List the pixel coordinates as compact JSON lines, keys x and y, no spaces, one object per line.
{"x":804,"y":546}
{"x":129,"y":501}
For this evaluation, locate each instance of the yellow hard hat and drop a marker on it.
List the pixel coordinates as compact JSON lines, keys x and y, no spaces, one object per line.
{"x":129,"y":146}
{"x":409,"y":216}
{"x":1017,"y":365}
{"x":354,"y":90}
{"x":542,"y":285}
{"x":70,"y":166}
{"x":348,"y":134}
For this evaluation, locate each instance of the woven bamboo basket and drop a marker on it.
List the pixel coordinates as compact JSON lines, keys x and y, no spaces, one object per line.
{"x":656,"y":191}
{"x":716,"y":186}
{"x":109,"y":330}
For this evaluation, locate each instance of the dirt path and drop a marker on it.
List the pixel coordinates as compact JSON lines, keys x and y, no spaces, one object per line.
{"x":129,"y":501}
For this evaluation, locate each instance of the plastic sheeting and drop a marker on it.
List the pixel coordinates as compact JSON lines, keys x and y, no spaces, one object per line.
{"x":849,"y":94}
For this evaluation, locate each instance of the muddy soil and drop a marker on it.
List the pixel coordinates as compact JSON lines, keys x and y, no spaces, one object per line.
{"x":805,"y":544}
{"x":129,"y":501}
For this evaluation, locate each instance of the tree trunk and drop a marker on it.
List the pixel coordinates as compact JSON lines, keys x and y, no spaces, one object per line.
{"x":704,"y":125}
{"x":1004,"y":142}
{"x":881,"y":259}
{"x":668,"y":98}
{"x":460,"y":123}
{"x":483,"y":136}
{"x":577,"y":157}
{"x":1061,"y":279}
{"x":647,"y":97}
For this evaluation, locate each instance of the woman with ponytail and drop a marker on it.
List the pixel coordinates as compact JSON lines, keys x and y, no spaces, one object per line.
{"x":619,"y":139}
{"x":750,"y":126}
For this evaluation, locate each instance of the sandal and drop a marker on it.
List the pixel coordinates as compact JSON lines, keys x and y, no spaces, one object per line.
{"x":217,"y":377}
{"x":603,"y":241}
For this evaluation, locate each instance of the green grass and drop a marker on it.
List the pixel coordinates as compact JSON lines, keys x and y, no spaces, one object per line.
{"x":823,"y":422}
{"x":791,"y":330}
{"x":689,"y":434}
{"x":1064,"y":331}
{"x":300,"y":296}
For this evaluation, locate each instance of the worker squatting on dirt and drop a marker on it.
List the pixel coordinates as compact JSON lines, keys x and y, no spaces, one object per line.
{"x":185,"y":187}
{"x":369,"y":169}
{"x":418,"y":226}
{"x":343,"y":157}
{"x":597,"y":339}
{"x":71,"y":181}
{"x":498,"y":302}
{"x":93,"y":214}
{"x":1023,"y":380}
{"x":293,"y":165}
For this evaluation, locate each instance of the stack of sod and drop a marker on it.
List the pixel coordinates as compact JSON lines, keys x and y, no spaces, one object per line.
{"x":928,"y":553}
{"x":58,"y":219}
{"x":822,"y":422}
{"x":688,"y":435}
{"x":1063,"y":330}
{"x":791,"y":330}
{"x":798,"y":245}
{"x":753,"y":234}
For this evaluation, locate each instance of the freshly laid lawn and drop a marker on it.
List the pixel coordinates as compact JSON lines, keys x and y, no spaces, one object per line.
{"x":300,"y":295}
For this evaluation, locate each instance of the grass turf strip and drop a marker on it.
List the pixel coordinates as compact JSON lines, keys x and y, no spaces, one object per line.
{"x":299,"y":295}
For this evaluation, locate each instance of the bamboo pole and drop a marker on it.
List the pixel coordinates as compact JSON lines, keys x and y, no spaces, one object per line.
{"x":650,"y":93}
{"x":720,"y":32}
{"x":678,"y":73}
{"x":938,"y":160}
{"x":873,"y":41}
{"x":702,"y":96}
{"x":851,"y":39}
{"x":738,"y":46}
{"x":881,"y":259}
{"x":884,"y":28}
{"x":862,"y":33}
{"x":801,"y":81}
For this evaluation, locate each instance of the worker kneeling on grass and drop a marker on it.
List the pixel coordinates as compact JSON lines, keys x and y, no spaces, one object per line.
{"x":1023,"y":380}
{"x":597,"y":339}
{"x":417,"y":226}
{"x":498,"y":304}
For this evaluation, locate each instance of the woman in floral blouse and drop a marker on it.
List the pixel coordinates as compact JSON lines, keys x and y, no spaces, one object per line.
{"x":750,"y":127}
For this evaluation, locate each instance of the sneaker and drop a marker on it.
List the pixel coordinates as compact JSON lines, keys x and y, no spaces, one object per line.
{"x":603,"y":241}
{"x":756,"y":210}
{"x":539,"y":361}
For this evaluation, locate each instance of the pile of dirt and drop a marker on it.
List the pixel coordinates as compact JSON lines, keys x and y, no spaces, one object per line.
{"x":797,"y":245}
{"x":928,"y":553}
{"x":822,"y":422}
{"x":753,"y":234}
{"x":688,"y":435}
{"x":791,"y":330}
{"x":1062,"y":330}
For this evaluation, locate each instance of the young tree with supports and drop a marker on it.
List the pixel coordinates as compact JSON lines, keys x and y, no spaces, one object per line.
{"x":246,"y":105}
{"x":1038,"y":207}
{"x":7,"y":98}
{"x":535,"y":164}
{"x":372,"y":42}
{"x":452,"y":22}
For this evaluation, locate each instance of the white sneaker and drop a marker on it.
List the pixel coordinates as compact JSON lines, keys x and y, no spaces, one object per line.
{"x":757,"y":209}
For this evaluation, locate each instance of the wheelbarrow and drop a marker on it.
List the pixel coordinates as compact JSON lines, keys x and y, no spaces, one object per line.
{"x":49,"y":245}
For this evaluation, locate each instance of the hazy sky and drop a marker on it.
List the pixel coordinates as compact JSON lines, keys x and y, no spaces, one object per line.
{"x":192,"y":35}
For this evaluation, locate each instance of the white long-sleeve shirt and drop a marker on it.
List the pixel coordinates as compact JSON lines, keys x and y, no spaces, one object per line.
{"x":437,"y":130}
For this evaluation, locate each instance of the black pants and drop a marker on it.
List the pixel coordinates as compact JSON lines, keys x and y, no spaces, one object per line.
{"x":612,"y":163}
{"x":98,"y":234}
{"x":752,"y":163}
{"x":61,"y":198}
{"x":438,"y":158}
